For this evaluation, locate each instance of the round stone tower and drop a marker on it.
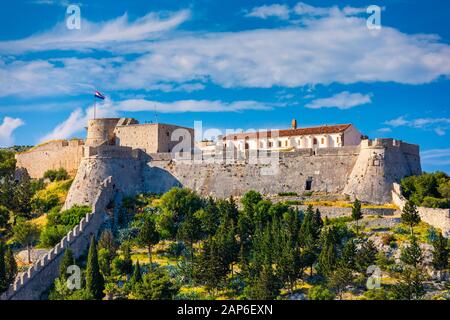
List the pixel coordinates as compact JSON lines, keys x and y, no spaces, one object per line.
{"x":380,"y":163}
{"x":101,"y":131}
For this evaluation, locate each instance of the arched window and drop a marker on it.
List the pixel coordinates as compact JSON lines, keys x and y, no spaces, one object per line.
{"x":322,"y":141}
{"x":315,"y":141}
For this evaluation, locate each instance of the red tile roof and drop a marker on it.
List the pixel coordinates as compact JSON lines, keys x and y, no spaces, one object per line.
{"x":290,"y":132}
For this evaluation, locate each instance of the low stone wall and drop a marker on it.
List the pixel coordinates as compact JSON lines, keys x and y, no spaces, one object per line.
{"x":31,"y":285}
{"x":438,"y":218}
{"x":336,"y":212}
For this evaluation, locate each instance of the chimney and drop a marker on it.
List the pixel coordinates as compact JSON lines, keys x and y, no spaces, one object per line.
{"x":294,"y":124}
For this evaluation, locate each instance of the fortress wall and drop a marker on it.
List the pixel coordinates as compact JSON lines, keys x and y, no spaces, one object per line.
{"x":100,"y":131}
{"x":32,"y":284}
{"x":328,"y":171}
{"x":124,"y":164}
{"x":381,"y":162}
{"x":51,"y":156}
{"x":167,"y":132}
{"x":143,"y":136}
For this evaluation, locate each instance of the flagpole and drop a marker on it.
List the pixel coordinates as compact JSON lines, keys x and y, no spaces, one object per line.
{"x":95,"y":106}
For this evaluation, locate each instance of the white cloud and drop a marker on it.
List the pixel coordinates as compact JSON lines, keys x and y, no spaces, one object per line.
{"x":438,"y":125}
{"x":189,"y":106}
{"x":275,"y":10}
{"x":384,"y":130}
{"x":101,"y":35}
{"x":343,"y":100}
{"x":77,"y":120}
{"x":331,"y":48}
{"x":436,"y":157}
{"x":7,"y":129}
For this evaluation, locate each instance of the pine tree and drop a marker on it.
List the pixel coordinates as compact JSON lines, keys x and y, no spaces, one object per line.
{"x":137,"y":274}
{"x":267,"y":285}
{"x":95,"y":284}
{"x":148,"y":236}
{"x":366,"y":256}
{"x":412,"y":254}
{"x":10,"y":265}
{"x":440,"y":253}
{"x":349,"y":255}
{"x":410,"y":215}
{"x":108,"y":243}
{"x":340,"y":279}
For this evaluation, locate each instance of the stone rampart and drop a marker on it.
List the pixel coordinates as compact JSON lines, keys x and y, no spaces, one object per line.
{"x":52,"y":155}
{"x":32,"y":284}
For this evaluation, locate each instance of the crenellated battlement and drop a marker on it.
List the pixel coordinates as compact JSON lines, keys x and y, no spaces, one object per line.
{"x":38,"y":278}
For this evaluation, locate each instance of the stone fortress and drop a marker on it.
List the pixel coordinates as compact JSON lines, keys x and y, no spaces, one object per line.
{"x":121,"y":158}
{"x":143,"y":158}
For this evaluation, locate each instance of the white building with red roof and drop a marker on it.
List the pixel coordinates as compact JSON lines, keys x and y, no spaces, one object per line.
{"x":326,"y":136}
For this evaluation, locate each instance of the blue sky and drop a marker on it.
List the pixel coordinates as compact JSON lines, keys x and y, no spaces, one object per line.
{"x":230,"y":64}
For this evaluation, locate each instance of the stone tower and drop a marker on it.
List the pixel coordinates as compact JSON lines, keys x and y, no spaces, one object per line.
{"x":101,"y":131}
{"x":380,"y":163}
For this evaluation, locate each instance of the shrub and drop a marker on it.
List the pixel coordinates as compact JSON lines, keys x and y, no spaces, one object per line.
{"x":320,"y":293}
{"x":307,"y":194}
{"x":52,"y":235}
{"x":431,"y":202}
{"x":387,"y":239}
{"x":44,"y":203}
{"x":56,"y":175}
{"x":287,"y":194}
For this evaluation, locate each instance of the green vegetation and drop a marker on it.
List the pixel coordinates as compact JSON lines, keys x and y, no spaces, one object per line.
{"x":56,"y":175}
{"x":430,"y":190}
{"x":60,"y":223}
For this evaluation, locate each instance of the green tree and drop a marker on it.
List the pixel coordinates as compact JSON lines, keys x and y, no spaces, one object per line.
{"x":189,"y":232}
{"x":412,"y":254}
{"x":267,"y":286}
{"x":156,"y":285}
{"x":148,"y":236}
{"x":357,"y":213}
{"x":137,"y":274}
{"x":410,"y":215}
{"x":95,"y":284}
{"x":10,"y":265}
{"x":108,"y":243}
{"x":348,"y":257}
{"x":365,"y":256}
{"x":440,"y":253}
{"x":320,"y":293}
{"x":3,"y":276}
{"x":4,"y":217}
{"x":340,"y":279}
{"x":410,"y":285}
{"x":327,"y":259}
{"x":26,"y":233}
{"x":67,"y":261}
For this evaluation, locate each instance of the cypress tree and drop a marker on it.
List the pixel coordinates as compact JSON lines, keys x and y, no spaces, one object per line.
{"x":66,"y":261}
{"x":356,"y":213}
{"x":10,"y":265}
{"x":366,"y":256}
{"x":137,"y":274}
{"x":95,"y":283}
{"x":348,"y":254}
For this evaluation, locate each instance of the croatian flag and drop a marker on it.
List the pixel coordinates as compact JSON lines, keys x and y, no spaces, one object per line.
{"x":99,"y":95}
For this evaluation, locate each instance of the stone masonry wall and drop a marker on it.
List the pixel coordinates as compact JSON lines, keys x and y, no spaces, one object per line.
{"x":51,"y":156}
{"x":327,"y":168}
{"x":439,"y":218}
{"x":32,"y":284}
